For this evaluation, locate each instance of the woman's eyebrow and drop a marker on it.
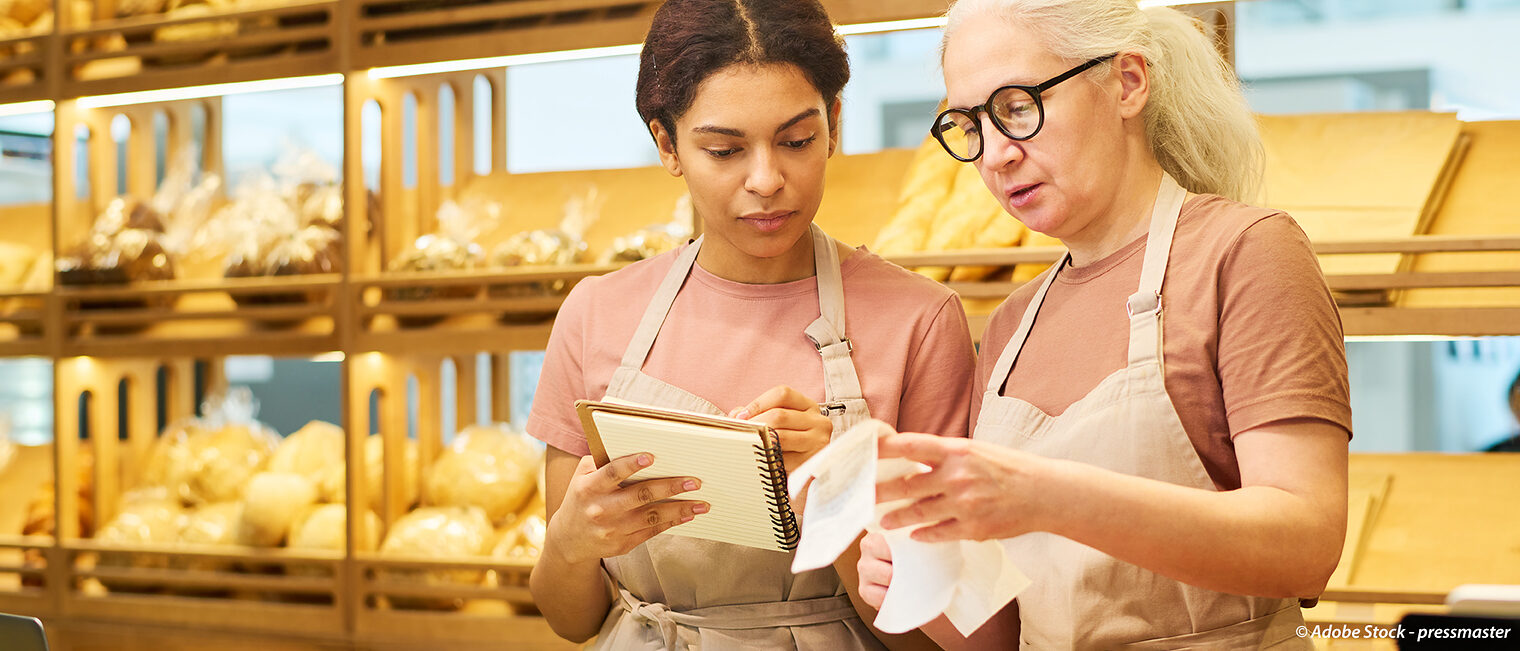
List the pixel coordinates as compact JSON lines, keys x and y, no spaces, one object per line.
{"x":737,"y":133}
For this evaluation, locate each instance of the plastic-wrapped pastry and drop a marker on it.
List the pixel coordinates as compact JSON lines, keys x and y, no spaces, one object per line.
{"x":321,"y":205}
{"x":436,"y":253}
{"x":438,"y":532}
{"x":311,"y":451}
{"x":324,"y":527}
{"x":539,"y":248}
{"x":311,"y":250}
{"x":970,"y":217}
{"x":332,"y":484}
{"x":170,"y":463}
{"x":130,"y":255}
{"x":124,"y":213}
{"x":233,"y":448}
{"x":271,"y":505}
{"x":146,"y":516}
{"x":646,"y":243}
{"x":493,"y":468}
{"x":209,"y":525}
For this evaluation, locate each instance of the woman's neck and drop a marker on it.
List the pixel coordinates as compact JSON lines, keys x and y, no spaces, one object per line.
{"x":721,"y":258}
{"x":1124,"y":220}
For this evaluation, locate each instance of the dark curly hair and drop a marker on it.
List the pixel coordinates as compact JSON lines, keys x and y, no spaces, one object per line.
{"x":690,"y":40}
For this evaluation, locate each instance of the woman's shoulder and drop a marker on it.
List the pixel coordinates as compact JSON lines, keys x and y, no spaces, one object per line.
{"x":634,"y":284}
{"x":869,"y":275}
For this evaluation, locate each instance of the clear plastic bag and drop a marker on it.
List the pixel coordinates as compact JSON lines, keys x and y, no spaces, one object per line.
{"x":234,"y":446}
{"x":438,"y":532}
{"x":654,"y":240}
{"x":490,"y":467}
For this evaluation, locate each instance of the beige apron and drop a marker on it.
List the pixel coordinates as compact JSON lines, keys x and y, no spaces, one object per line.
{"x":1081,"y":598}
{"x":674,"y":592}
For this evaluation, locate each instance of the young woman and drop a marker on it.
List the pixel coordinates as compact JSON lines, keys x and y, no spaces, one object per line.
{"x":763,"y":317}
{"x":1166,"y":483}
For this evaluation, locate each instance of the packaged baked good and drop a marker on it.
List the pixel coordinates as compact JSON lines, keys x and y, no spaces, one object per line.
{"x":148,"y":516}
{"x":311,"y":451}
{"x":490,"y":467}
{"x":232,"y":448}
{"x":655,"y":239}
{"x":271,"y":504}
{"x":333,"y":488}
{"x":124,"y":245}
{"x":440,"y":533}
{"x":324,"y":527}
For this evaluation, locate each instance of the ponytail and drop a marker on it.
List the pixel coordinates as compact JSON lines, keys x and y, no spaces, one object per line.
{"x":1200,"y":129}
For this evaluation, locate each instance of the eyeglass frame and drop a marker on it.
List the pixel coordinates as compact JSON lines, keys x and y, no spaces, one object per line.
{"x":986,"y":108}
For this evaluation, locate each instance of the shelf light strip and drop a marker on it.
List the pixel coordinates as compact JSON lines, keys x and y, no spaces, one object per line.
{"x":26,"y":108}
{"x":503,"y":61}
{"x":211,"y":90}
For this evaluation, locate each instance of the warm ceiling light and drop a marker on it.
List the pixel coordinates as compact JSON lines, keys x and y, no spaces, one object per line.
{"x":503,"y":61}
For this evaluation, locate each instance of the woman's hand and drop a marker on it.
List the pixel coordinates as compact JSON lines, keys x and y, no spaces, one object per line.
{"x":599,"y":518}
{"x":875,"y":569}
{"x":801,"y":426}
{"x":972,"y":491}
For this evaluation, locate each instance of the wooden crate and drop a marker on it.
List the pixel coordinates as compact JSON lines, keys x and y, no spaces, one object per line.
{"x":233,"y":41}
{"x":198,"y":312}
{"x":498,"y":611}
{"x":24,"y":67}
{"x":221,"y":587}
{"x":26,"y":579}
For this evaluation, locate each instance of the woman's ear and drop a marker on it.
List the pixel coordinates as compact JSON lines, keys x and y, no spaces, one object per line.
{"x":666,"y":146}
{"x":834,"y":109}
{"x":1134,"y":84}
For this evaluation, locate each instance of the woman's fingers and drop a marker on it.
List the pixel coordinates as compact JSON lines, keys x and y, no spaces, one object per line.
{"x":930,"y":510}
{"x":780,"y":396}
{"x":654,"y":490}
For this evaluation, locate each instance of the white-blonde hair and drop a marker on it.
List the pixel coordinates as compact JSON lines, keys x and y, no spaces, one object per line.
{"x":1199,"y":126}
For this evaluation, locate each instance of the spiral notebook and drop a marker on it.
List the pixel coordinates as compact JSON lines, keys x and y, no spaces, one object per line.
{"x":739,"y":463}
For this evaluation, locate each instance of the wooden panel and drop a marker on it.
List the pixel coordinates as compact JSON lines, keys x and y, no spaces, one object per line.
{"x":24,"y":66}
{"x":1484,"y":200}
{"x":1317,"y":171}
{"x":1448,"y":519}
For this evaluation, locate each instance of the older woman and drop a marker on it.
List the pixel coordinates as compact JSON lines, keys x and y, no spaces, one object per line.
{"x":1165,"y":483}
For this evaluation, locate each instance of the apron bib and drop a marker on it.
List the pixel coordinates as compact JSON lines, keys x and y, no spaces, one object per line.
{"x":1081,"y":598}
{"x":674,"y":592}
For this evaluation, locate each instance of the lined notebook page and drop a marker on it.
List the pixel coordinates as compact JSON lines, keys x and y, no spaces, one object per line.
{"x":725,"y":461}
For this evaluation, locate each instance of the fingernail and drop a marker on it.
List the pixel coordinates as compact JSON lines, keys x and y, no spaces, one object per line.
{"x":691,"y":485}
{"x":686,"y":519}
{"x":699,"y":508}
{"x":645,"y":460}
{"x":743,"y":414}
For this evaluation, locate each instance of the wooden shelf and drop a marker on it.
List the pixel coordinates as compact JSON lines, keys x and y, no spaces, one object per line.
{"x":167,"y":51}
{"x":24,"y":68}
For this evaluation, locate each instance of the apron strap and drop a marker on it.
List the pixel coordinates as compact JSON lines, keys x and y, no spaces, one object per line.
{"x":683,"y":626}
{"x":659,"y":307}
{"x":1144,"y":306}
{"x":840,"y":380}
{"x":1011,"y":351}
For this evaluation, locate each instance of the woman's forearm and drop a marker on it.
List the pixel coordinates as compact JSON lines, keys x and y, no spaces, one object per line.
{"x":1258,"y":540}
{"x":572,"y":596}
{"x":845,"y":566}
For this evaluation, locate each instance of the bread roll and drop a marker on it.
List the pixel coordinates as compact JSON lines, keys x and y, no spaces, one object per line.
{"x":227,"y":458}
{"x":438,"y":532}
{"x":333,"y":488}
{"x":926,"y":186}
{"x":312,"y":451}
{"x":489,"y":467}
{"x":271,"y":505}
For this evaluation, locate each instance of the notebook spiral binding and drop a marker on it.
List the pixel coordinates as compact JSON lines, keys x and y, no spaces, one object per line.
{"x":773,"y":468}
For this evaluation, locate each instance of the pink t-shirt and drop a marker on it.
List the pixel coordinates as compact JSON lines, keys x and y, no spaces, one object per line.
{"x":729,"y":342}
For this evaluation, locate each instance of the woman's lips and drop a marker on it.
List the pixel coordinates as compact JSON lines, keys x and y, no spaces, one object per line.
{"x":767,"y":222}
{"x":1020,"y":196}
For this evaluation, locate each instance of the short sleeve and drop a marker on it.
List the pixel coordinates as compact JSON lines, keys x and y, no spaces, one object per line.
{"x":1281,"y":345}
{"x":552,"y":418}
{"x":937,"y":381}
